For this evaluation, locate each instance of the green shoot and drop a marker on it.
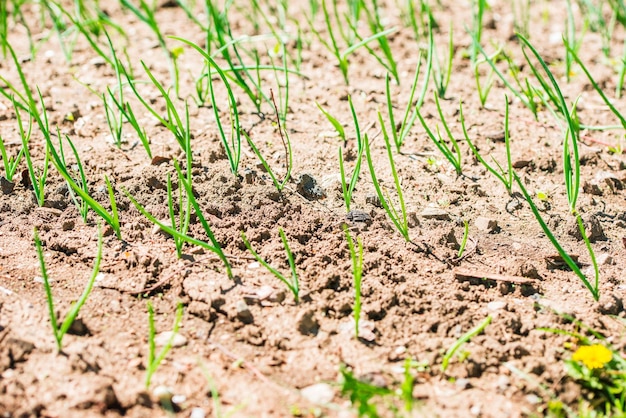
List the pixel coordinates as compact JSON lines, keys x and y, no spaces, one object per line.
{"x":593,"y":288}
{"x":462,"y":340}
{"x":464,"y":240}
{"x":505,"y":176}
{"x":59,"y":330}
{"x":292,"y":284}
{"x":154,"y":359}
{"x":521,"y":16}
{"x":484,"y":89}
{"x":400,"y":220}
{"x":112,"y":218}
{"x":37,"y":176}
{"x":478,"y":12}
{"x":453,"y":155}
{"x":284,"y":136}
{"x":184,"y":215}
{"x":356,"y":255}
{"x":232,"y":145}
{"x":347,"y":188}
{"x":361,"y":393}
{"x":400,"y":134}
{"x":336,"y":124}
{"x":572,"y":44}
{"x":10,"y":163}
{"x":81,"y":205}
{"x":441,"y":75}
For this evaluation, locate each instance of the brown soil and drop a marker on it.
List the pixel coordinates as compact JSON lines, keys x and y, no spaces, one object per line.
{"x":415,"y":304}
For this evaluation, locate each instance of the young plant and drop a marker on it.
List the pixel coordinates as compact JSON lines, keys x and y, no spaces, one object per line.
{"x":80,"y":189}
{"x":453,"y":155}
{"x":184,"y":214}
{"x":462,"y":340}
{"x":505,"y":176}
{"x":356,"y":255}
{"x":214,"y":246}
{"x":59,"y":330}
{"x":400,"y":134}
{"x":347,"y":188}
{"x":284,"y":137}
{"x":292,"y":284}
{"x":478,"y":13}
{"x":399,"y":219}
{"x":464,"y":240}
{"x":441,"y":75}
{"x":484,"y":89}
{"x":81,"y":204}
{"x":10,"y":163}
{"x":38,"y":177}
{"x":154,"y":359}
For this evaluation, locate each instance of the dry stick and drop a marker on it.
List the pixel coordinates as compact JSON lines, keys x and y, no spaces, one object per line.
{"x":462,"y":274}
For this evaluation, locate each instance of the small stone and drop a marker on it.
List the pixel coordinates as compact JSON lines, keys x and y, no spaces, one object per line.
{"x":78,"y":327}
{"x":249,"y":175}
{"x":496,"y":305}
{"x":592,"y":188}
{"x":610,"y":305}
{"x":604,"y":260}
{"x":521,"y":163}
{"x":307,"y":186}
{"x":197,"y":413}
{"x":593,"y":229}
{"x":307,"y":323}
{"x":319,"y":393}
{"x":373,"y":200}
{"x":462,"y":383}
{"x":243,"y":312}
{"x":503,"y":383}
{"x":164,"y":337}
{"x":435,"y":213}
{"x":68,"y":225}
{"x":486,"y":224}
{"x":6,"y":185}
{"x":163,"y":394}
{"x":527,"y":269}
{"x":359,"y":216}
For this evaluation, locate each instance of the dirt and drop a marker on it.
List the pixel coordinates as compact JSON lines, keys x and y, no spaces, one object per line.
{"x":258,"y":347}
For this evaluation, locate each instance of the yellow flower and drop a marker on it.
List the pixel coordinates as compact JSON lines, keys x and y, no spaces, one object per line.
{"x":593,"y":356}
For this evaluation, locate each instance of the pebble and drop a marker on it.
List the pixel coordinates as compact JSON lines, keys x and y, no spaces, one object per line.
{"x":462,"y":383}
{"x":163,"y":338}
{"x":486,"y":224}
{"x":307,"y":186}
{"x":319,"y":393}
{"x":604,"y":260}
{"x":163,"y":393}
{"x":307,"y":323}
{"x":435,"y":213}
{"x":197,"y":413}
{"x":496,"y":305}
{"x":610,"y":304}
{"x":243,"y":312}
{"x":6,"y":185}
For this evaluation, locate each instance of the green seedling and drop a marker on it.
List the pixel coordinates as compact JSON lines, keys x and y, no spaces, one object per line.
{"x":215,"y":395}
{"x":37,"y":176}
{"x":597,"y":88}
{"x":505,"y":176}
{"x":59,"y":330}
{"x":462,"y":340}
{"x":521,"y":16}
{"x":284,"y":137}
{"x":572,"y":44}
{"x":622,"y":74}
{"x":292,"y":283}
{"x":376,"y":26}
{"x":593,"y":288}
{"x":464,"y":240}
{"x":180,"y":223}
{"x":81,"y":204}
{"x":356,"y":255}
{"x":410,"y":113}
{"x":146,"y":14}
{"x":484,"y":89}
{"x":154,"y":359}
{"x":347,"y":188}
{"x":214,"y":246}
{"x":11,"y":163}
{"x":453,"y":155}
{"x":361,"y":393}
{"x":441,"y":75}
{"x":478,"y":12}
{"x":81,"y":190}
{"x":336,"y":124}
{"x":232,"y":145}
{"x":399,"y":219}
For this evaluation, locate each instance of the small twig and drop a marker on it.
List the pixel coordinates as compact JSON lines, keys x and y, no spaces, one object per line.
{"x":462,"y":275}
